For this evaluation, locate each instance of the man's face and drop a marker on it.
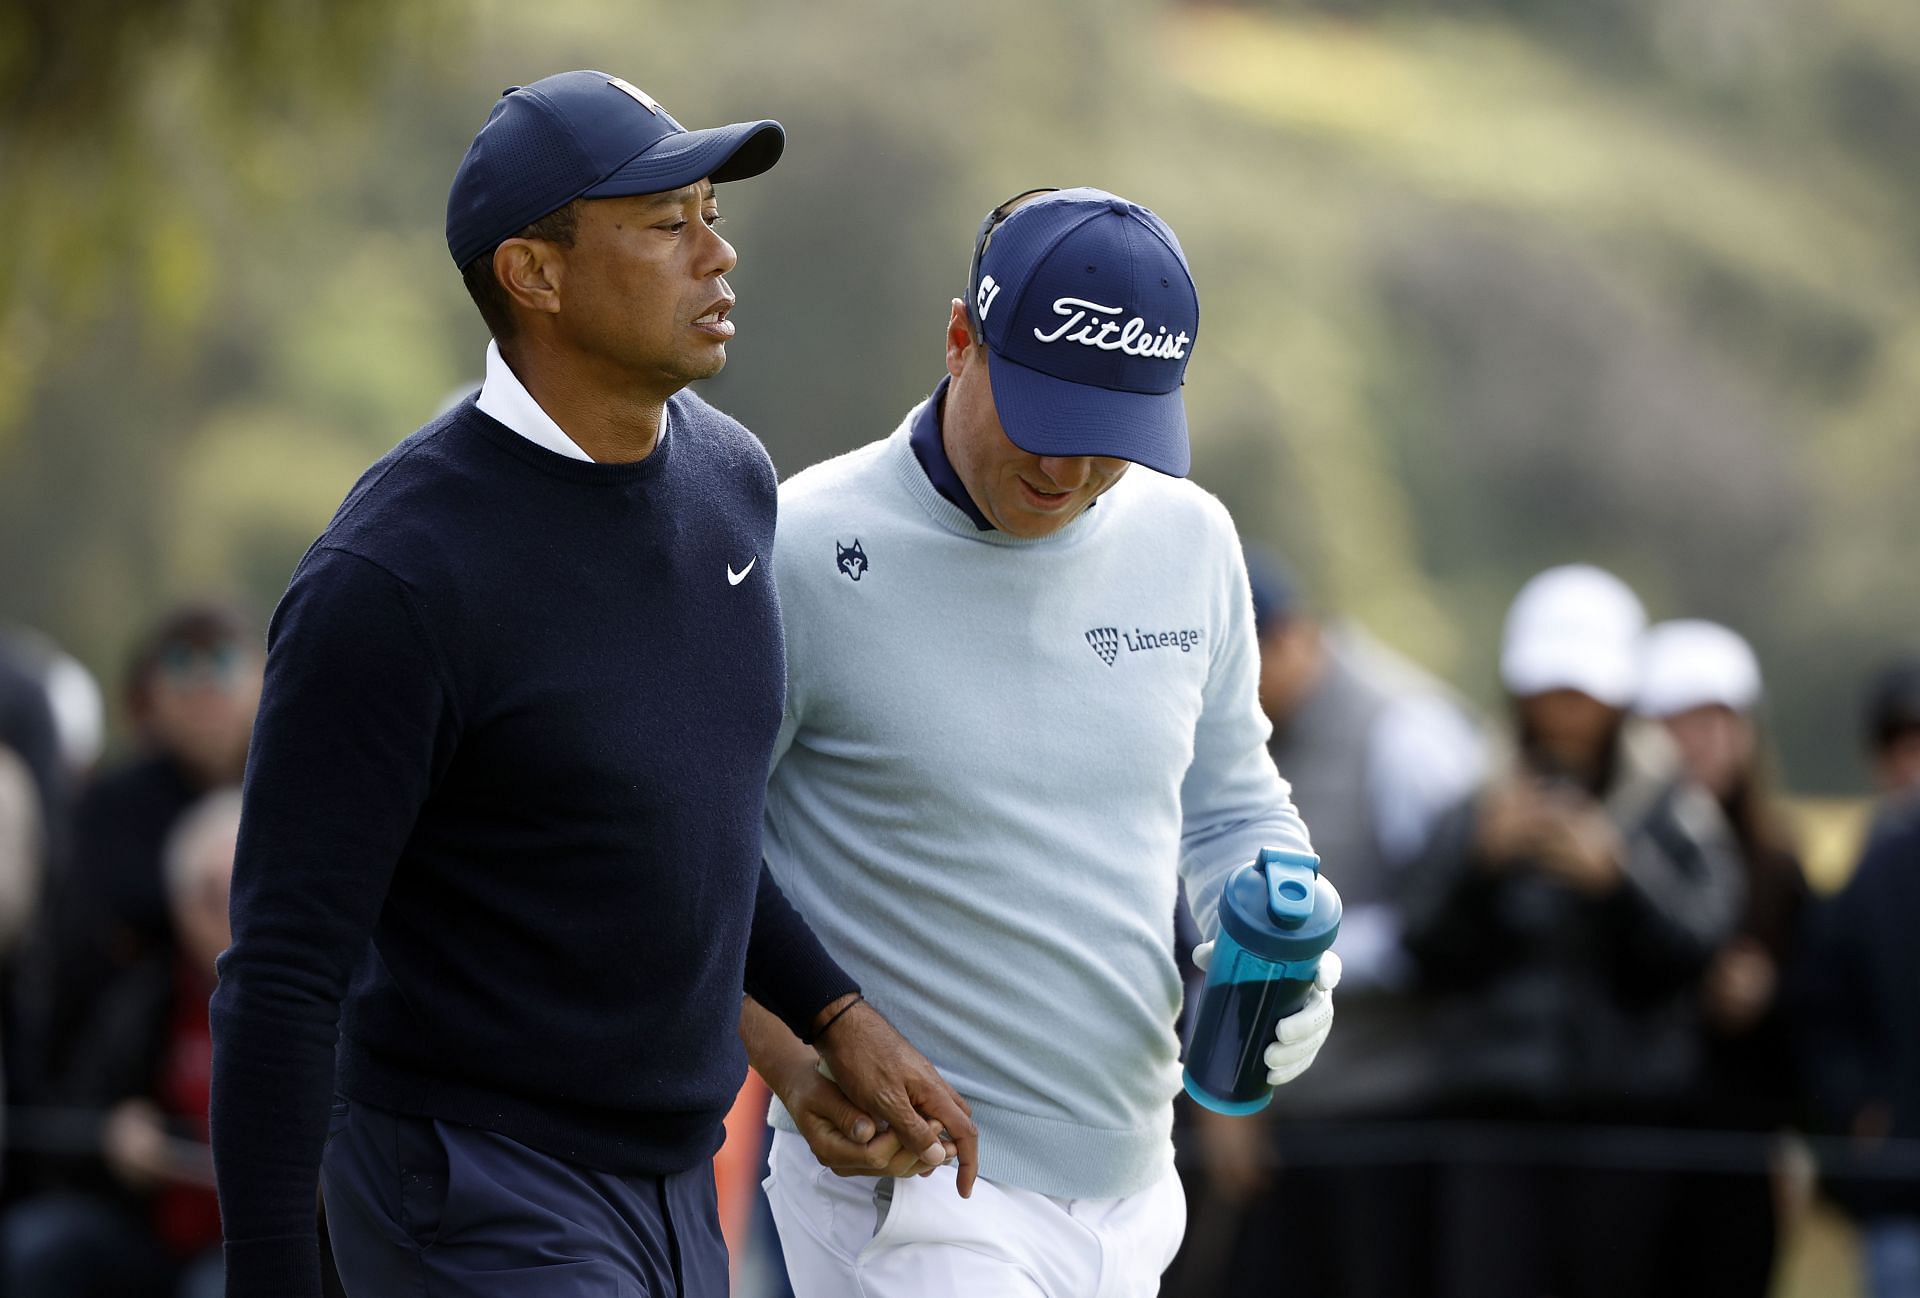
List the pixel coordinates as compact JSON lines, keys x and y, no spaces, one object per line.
{"x":1020,"y":493}
{"x":643,"y":287}
{"x":1896,"y":764}
{"x":1292,"y":656}
{"x":199,"y":702}
{"x":1572,"y":729}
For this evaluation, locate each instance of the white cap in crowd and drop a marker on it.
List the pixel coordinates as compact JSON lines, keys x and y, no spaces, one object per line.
{"x":1574,"y":628}
{"x":1690,"y":664}
{"x":79,"y":711}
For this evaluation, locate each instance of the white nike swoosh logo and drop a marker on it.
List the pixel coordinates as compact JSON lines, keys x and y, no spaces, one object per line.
{"x":735,"y":578}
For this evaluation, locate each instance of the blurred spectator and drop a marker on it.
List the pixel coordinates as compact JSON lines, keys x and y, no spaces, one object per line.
{"x":1893,"y":733}
{"x":147,"y":1222}
{"x":1703,"y":682}
{"x":192,"y":688}
{"x":20,"y":860}
{"x":79,"y":712}
{"x":30,"y":736}
{"x":20,"y":848}
{"x":29,"y":728}
{"x":1562,"y":920}
{"x":1860,"y":998}
{"x":1376,"y":751}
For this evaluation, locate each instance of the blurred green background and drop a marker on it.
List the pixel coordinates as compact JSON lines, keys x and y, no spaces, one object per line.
{"x":1485,"y":286}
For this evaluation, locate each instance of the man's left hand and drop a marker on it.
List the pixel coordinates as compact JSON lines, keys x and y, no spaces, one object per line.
{"x":1300,"y":1035}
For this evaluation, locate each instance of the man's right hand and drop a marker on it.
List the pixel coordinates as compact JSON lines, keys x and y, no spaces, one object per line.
{"x":844,"y":1140}
{"x":842,"y":1136}
{"x":881,"y":1072}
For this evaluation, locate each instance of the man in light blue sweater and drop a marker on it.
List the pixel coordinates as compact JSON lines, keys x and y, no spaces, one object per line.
{"x":1021,"y":711}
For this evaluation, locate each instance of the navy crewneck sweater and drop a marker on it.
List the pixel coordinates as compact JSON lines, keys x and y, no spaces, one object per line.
{"x":502,"y":814}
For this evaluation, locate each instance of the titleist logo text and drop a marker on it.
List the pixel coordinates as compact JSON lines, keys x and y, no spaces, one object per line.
{"x":1085,"y":324}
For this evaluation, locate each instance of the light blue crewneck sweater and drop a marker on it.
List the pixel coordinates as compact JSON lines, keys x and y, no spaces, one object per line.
{"x":998,"y":758}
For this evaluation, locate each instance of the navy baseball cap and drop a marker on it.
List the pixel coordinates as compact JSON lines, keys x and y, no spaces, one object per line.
{"x":1893,"y":702}
{"x":1276,"y":595}
{"x":1086,"y":303}
{"x":585,"y":135}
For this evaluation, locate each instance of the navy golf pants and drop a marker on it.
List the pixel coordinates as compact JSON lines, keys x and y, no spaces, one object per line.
{"x":424,"y":1209}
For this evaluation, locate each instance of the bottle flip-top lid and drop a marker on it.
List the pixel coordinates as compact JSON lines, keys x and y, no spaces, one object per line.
{"x":1280,"y":907}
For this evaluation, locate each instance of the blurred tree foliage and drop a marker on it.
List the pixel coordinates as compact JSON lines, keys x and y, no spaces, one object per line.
{"x":1486,"y":284}
{"x":134,"y":132}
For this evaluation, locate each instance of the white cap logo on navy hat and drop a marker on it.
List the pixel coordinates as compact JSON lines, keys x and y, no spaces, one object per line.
{"x":1086,"y":304}
{"x":1094,"y":325}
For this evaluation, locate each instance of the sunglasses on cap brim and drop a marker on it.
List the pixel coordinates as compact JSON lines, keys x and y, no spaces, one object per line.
{"x":980,"y":241}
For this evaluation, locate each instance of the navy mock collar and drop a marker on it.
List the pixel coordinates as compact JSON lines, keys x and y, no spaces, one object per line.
{"x":931,"y":451}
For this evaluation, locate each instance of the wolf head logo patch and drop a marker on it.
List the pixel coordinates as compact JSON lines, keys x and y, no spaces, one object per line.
{"x":1106,"y":642}
{"x":851,"y":559}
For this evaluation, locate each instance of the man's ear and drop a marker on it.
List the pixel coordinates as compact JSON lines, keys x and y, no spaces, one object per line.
{"x":959,"y":338}
{"x":531,"y":271}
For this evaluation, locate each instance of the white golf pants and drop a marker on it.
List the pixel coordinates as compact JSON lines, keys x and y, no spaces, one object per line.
{"x":913,"y":1237}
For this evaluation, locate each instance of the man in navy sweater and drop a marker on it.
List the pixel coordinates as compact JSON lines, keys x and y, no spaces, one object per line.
{"x":502,"y":813}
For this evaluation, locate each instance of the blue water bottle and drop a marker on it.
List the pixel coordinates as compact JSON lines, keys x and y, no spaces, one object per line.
{"x":1277,"y":915}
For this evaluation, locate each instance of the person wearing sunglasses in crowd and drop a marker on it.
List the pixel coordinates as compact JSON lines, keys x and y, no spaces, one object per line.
{"x":92,"y":1028}
{"x":192,"y":686}
{"x":1021,"y":711}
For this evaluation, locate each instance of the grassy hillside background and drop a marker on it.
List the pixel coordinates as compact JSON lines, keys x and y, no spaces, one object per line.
{"x":1484,"y":286}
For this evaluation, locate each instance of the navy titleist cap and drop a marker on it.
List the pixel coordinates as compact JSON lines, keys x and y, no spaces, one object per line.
{"x":585,"y":135}
{"x":1086,"y":303}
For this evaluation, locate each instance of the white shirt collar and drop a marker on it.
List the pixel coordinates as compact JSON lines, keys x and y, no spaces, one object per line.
{"x":505,"y":398}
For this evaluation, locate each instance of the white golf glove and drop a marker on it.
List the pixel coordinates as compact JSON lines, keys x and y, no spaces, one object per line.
{"x":1300,"y":1035}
